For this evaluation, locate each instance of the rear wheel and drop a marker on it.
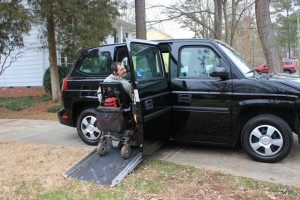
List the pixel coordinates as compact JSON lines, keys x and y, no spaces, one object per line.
{"x":267,"y":138}
{"x":87,"y":127}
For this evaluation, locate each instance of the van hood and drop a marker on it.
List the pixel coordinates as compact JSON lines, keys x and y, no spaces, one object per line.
{"x":292,"y":81}
{"x":281,"y":83}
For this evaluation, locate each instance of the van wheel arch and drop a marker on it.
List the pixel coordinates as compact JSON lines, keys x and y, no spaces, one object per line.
{"x":288,"y":115}
{"x":79,"y":107}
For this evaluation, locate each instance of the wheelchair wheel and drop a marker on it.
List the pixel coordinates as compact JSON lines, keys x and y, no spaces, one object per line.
{"x":126,"y":151}
{"x":101,"y":148}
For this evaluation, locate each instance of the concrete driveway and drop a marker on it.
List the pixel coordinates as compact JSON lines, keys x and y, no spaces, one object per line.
{"x":228,"y":160}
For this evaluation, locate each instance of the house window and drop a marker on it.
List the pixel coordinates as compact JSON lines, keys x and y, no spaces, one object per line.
{"x":62,"y":59}
{"x":125,"y":35}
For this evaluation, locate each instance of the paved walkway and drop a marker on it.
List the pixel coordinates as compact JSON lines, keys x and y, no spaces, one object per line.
{"x":228,"y":160}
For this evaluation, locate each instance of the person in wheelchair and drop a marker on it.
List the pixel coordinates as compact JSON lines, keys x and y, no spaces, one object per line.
{"x":118,"y":75}
{"x":114,"y":117}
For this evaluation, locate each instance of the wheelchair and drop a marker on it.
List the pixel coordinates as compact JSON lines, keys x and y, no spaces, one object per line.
{"x":115,"y":119}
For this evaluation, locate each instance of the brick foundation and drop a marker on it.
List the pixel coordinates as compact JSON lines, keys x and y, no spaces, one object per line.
{"x":21,"y":91}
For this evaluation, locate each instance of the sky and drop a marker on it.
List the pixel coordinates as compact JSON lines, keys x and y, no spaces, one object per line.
{"x":172,"y":28}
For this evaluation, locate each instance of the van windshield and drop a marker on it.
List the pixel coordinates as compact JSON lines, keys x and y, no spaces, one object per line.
{"x":238,"y":60}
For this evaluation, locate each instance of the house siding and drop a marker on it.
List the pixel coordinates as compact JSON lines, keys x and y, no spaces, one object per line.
{"x":29,"y":68}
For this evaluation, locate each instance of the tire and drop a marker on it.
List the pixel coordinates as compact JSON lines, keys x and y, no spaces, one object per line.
{"x":286,"y":71}
{"x":267,"y":138}
{"x":101,"y":148}
{"x":87,"y":127}
{"x":126,"y":151}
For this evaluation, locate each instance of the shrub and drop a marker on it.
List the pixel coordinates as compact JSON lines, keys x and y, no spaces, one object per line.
{"x":53,"y":109}
{"x":62,"y":73}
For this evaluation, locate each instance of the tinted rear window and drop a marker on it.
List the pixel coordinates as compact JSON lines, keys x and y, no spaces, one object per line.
{"x":94,"y":62}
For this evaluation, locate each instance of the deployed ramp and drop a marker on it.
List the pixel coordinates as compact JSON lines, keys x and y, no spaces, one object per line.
{"x":109,"y":169}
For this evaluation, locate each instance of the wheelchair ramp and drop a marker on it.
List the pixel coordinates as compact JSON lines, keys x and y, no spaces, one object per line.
{"x":109,"y":169}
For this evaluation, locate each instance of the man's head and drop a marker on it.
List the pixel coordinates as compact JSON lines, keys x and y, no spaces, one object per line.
{"x":118,"y":69}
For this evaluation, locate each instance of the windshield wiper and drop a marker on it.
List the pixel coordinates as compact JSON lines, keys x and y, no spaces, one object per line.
{"x":251,"y":71}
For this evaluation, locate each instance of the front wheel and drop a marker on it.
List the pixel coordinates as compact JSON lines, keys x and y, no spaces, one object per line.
{"x":101,"y":148}
{"x":267,"y":138}
{"x":126,"y":151}
{"x":87,"y":127}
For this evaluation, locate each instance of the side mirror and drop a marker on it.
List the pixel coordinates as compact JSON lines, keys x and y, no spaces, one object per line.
{"x":218,"y":72}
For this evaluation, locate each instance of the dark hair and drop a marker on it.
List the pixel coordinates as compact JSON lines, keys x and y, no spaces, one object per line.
{"x":114,"y":66}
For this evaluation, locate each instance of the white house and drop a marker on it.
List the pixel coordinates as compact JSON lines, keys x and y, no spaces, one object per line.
{"x":25,"y":75}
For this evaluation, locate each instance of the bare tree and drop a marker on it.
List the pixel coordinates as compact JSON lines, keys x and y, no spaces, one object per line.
{"x":210,"y":18}
{"x":127,"y":11}
{"x":140,"y":18}
{"x":266,"y":35}
{"x":9,"y":57}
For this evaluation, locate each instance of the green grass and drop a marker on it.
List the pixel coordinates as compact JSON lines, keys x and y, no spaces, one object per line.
{"x":54,"y":109}
{"x":56,"y":194}
{"x":249,"y":183}
{"x":19,"y":103}
{"x":29,"y":186}
{"x":244,"y":182}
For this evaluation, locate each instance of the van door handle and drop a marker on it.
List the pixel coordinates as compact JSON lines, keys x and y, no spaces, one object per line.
{"x":184,"y":98}
{"x":149,"y":104}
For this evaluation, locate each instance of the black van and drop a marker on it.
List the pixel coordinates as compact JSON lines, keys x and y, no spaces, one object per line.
{"x":189,"y":91}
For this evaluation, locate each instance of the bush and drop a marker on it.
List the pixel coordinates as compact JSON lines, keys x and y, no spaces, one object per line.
{"x":53,"y":109}
{"x":62,"y":73}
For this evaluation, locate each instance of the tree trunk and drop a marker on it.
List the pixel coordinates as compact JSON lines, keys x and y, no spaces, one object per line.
{"x":56,"y":93}
{"x":234,"y":6}
{"x":226,"y":24}
{"x":218,"y":19}
{"x":140,"y":19}
{"x":266,"y":35}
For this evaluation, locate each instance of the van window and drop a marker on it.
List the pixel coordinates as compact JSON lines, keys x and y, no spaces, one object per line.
{"x":196,"y":62}
{"x":147,"y":61}
{"x":95,"y":62}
